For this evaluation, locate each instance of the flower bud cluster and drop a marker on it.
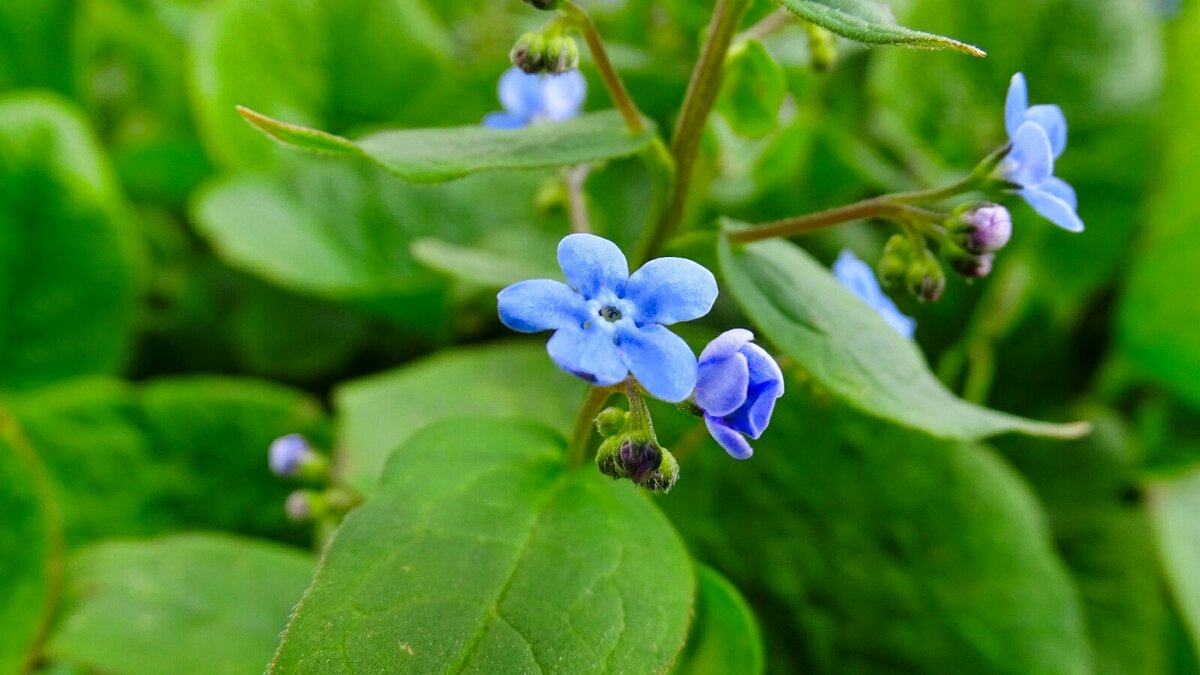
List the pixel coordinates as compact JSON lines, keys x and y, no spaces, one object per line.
{"x":552,"y":53}
{"x":639,"y":458}
{"x":976,"y":232}
{"x":914,"y":267}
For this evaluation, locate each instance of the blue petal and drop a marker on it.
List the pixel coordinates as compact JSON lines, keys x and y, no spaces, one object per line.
{"x":500,"y":120}
{"x":670,"y":290}
{"x":721,"y":384}
{"x":563,"y":95}
{"x":540,"y":304}
{"x":521,"y":93}
{"x":857,"y":276}
{"x":1059,"y":188}
{"x":1053,"y":208}
{"x":1015,"y":105}
{"x":588,"y":354}
{"x":1052,"y":120}
{"x":660,"y":360}
{"x":726,"y":344}
{"x":592,"y":263}
{"x":734,"y":443}
{"x":762,"y":367}
{"x":1031,"y":159}
{"x":754,"y":415}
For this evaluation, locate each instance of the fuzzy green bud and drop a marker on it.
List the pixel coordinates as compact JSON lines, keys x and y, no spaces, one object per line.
{"x":560,"y":54}
{"x":639,"y":458}
{"x":968,"y":264}
{"x":822,"y":48}
{"x":610,"y":421}
{"x":925,"y":279}
{"x":893,"y":264}
{"x":529,"y":53}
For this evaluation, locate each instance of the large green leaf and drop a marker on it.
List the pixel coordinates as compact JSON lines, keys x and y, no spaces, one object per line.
{"x":35,"y":45}
{"x":334,"y":64}
{"x":724,"y":639}
{"x":377,"y":414}
{"x":29,"y":549}
{"x":1174,"y":503}
{"x":437,"y":155}
{"x":480,"y":553}
{"x":198,"y":604}
{"x":1159,"y":320}
{"x":849,"y":349}
{"x":870,"y":22}
{"x":68,"y":261}
{"x":869,"y":549}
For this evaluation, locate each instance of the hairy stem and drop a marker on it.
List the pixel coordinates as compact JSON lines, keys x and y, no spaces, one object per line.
{"x":876,"y":207}
{"x":585,"y":423}
{"x":612,"y":80}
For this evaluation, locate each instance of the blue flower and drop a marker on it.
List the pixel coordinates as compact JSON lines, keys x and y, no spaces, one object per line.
{"x":608,"y":323}
{"x":737,"y":387}
{"x":537,"y":98}
{"x":288,"y":453}
{"x":857,"y":276}
{"x":1038,"y":136}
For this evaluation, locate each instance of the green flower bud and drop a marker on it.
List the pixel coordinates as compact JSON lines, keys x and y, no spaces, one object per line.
{"x":610,"y":421}
{"x":545,"y":4}
{"x":639,"y":458}
{"x":893,"y":264}
{"x":529,"y":53}
{"x":560,"y":54}
{"x":665,"y":477}
{"x":968,"y":264}
{"x":822,"y":48}
{"x":925,"y":279}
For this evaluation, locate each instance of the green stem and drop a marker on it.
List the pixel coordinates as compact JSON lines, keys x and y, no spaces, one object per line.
{"x":612,"y":81}
{"x":697,"y":103}
{"x":876,"y":207}
{"x":661,"y":166}
{"x":639,"y":412}
{"x":585,"y":424}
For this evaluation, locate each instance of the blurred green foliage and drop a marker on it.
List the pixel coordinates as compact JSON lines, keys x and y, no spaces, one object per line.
{"x":179,"y":291}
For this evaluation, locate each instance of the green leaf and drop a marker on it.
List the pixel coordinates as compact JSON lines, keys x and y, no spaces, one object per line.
{"x":198,"y":603}
{"x":377,"y":414}
{"x":68,"y":260}
{"x":480,"y":553}
{"x":503,"y":258}
{"x":724,"y":638}
{"x":335,"y":64}
{"x":875,"y":550}
{"x":870,"y":22}
{"x":30,"y":549}
{"x":849,"y":349}
{"x":36,"y":45}
{"x":1158,"y":323}
{"x":1174,"y":502}
{"x":438,"y":155}
{"x":752,"y":90}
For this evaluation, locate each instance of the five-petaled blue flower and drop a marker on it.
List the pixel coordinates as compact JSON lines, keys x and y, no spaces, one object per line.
{"x":537,"y":98}
{"x":737,"y":387}
{"x":608,"y":323}
{"x":1038,"y":136}
{"x":858,"y":276}
{"x":287,"y":453}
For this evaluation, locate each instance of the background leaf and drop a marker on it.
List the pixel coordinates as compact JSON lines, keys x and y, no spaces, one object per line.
{"x":187,"y":604}
{"x":461,"y":562}
{"x":724,"y":637}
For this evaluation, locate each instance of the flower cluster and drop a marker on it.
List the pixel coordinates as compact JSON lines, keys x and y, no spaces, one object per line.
{"x":610,"y":328}
{"x":1038,"y":136}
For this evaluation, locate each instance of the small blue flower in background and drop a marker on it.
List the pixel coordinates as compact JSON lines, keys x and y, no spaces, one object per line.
{"x":608,"y":323}
{"x":287,"y":453}
{"x":1039,"y":136}
{"x":737,"y":387}
{"x":858,"y":276}
{"x":537,"y":98}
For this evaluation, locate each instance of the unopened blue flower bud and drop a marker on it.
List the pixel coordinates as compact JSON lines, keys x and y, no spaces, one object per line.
{"x":287,"y":453}
{"x":639,"y":458}
{"x":610,"y":421}
{"x":560,"y":54}
{"x":529,"y":53}
{"x":981,"y":228}
{"x":925,"y":280}
{"x":304,"y":505}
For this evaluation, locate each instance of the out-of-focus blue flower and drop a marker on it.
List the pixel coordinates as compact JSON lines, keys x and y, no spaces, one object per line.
{"x":537,"y":98}
{"x":1167,"y":9}
{"x":287,"y":453}
{"x":608,"y":323}
{"x":858,"y":276}
{"x":737,"y":387}
{"x":1038,"y":135}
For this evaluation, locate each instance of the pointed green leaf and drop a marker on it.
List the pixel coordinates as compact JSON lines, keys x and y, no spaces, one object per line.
{"x":724,"y":639}
{"x":195,"y":604}
{"x":437,"y":155}
{"x":870,"y":22}
{"x":480,"y":553}
{"x":850,"y":350}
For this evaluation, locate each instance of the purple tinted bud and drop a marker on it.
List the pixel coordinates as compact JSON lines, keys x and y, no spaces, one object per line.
{"x":640,"y":459}
{"x":974,"y":267}
{"x":300,"y":505}
{"x":983,"y":229}
{"x":288,"y":453}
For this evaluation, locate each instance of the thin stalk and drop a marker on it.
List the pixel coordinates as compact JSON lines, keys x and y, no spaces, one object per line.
{"x":768,"y":25}
{"x":697,"y":103}
{"x":573,"y":179}
{"x":585,"y":424}
{"x":612,"y":80}
{"x":661,"y":166}
{"x":876,"y":207}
